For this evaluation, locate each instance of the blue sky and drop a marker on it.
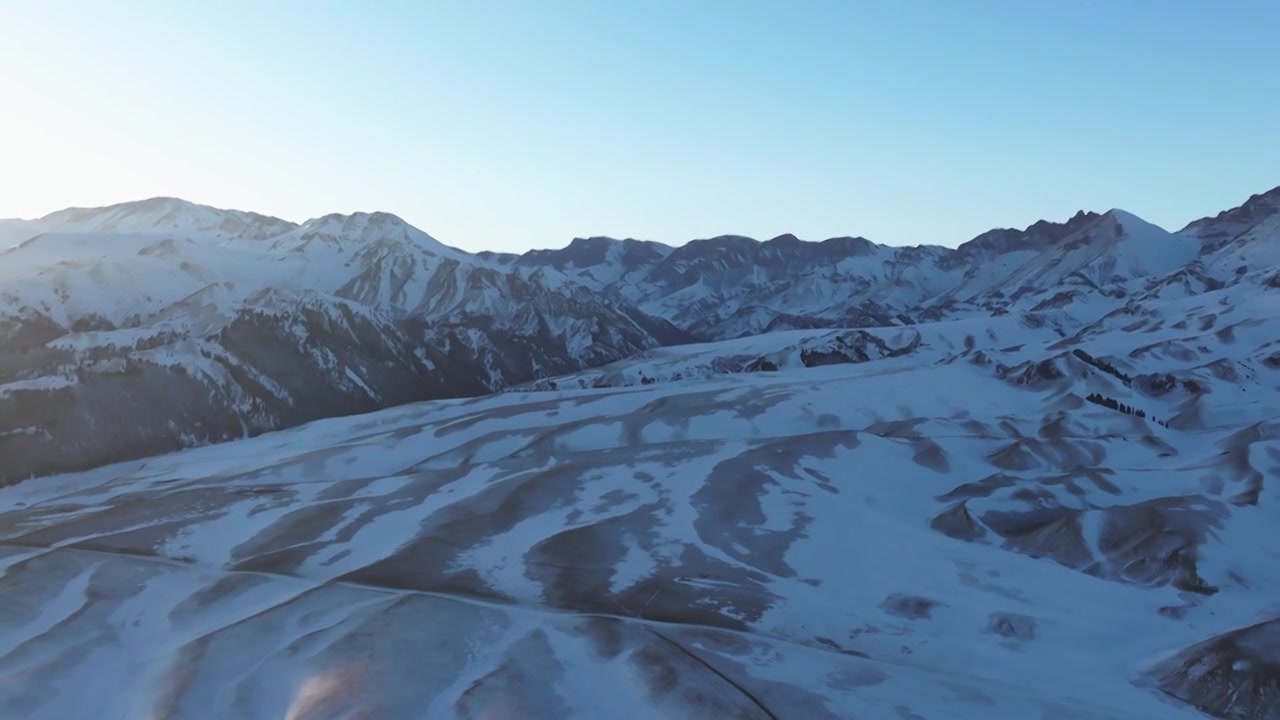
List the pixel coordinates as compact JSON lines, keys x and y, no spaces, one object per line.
{"x":514,"y":124}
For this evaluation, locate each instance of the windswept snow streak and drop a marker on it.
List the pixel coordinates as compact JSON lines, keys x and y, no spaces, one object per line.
{"x":916,"y":535}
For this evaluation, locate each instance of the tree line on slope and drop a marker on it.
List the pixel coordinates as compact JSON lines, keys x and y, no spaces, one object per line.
{"x":1112,"y":403}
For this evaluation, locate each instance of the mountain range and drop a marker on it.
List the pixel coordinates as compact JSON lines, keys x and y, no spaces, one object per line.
{"x":340,"y":469}
{"x":148,"y":326}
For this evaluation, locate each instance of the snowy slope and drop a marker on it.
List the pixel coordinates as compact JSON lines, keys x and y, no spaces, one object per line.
{"x":122,"y":278}
{"x":1220,"y":230}
{"x":13,"y":232}
{"x":1115,"y":248}
{"x":949,"y":532}
{"x":783,"y":350}
{"x":1253,"y":249}
{"x":152,"y":305}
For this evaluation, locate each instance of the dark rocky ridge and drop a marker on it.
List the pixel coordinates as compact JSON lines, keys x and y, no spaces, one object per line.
{"x":265,"y":369}
{"x":1227,"y":225}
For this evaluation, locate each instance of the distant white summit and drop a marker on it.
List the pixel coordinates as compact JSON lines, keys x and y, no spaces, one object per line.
{"x":165,"y":215}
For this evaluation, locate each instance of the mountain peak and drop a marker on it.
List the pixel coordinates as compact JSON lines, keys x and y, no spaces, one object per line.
{"x":359,"y":219}
{"x":365,"y":228}
{"x":588,"y":252}
{"x":166,"y":215}
{"x":1132,"y":224}
{"x":1220,"y":229}
{"x":846,"y":245}
{"x":359,"y":225}
{"x":1119,"y":213}
{"x":154,"y":204}
{"x":1037,"y":236}
{"x":1050,"y":228}
{"x":593,"y":241}
{"x":1270,"y":197}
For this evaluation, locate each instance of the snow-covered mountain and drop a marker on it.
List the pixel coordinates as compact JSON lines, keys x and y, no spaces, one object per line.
{"x":153,"y":293}
{"x":150,"y":326}
{"x":1027,"y":477}
{"x":379,"y":260}
{"x":733,"y":286}
{"x":1242,"y":240}
{"x":169,"y":216}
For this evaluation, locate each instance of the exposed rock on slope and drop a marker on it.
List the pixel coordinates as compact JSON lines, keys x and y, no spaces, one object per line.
{"x":1235,"y":675}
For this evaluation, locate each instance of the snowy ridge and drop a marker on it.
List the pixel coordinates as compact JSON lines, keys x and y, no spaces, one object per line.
{"x":733,"y":286}
{"x":165,"y":216}
{"x":172,"y":273}
{"x":244,"y":312}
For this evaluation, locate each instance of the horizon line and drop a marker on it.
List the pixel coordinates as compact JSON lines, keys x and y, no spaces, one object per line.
{"x":576,"y":238}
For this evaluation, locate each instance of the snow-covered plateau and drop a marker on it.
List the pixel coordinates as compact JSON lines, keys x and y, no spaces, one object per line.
{"x":1030,"y":477}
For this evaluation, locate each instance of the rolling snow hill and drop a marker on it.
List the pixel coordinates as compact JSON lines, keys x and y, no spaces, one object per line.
{"x":959,"y":526}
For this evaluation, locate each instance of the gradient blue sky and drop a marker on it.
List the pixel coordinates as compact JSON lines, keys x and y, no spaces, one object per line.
{"x":522,"y":123}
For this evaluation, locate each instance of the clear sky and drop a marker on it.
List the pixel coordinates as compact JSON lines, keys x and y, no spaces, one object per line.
{"x":523,"y":123}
